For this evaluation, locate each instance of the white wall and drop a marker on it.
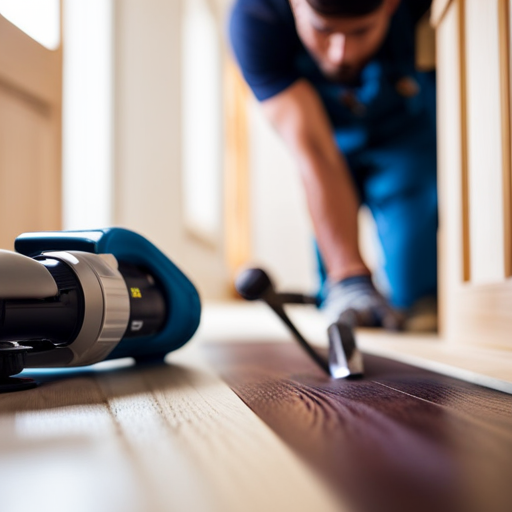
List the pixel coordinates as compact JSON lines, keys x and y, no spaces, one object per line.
{"x":148,"y":144}
{"x":282,"y":231}
{"x":87,"y":114}
{"x":282,"y":237}
{"x":202,"y":121}
{"x":123,"y":128}
{"x":123,"y":145}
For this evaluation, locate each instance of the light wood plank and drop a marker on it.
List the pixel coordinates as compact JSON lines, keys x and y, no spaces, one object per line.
{"x":63,"y":433}
{"x":159,"y":438}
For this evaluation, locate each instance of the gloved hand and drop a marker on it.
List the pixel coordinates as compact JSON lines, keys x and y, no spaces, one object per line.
{"x":356,"y":302}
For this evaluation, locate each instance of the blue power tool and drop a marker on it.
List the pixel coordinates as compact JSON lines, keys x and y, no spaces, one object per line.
{"x":75,"y":298}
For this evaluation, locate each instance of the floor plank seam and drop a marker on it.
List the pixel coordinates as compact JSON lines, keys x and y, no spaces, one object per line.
{"x":462,"y":415}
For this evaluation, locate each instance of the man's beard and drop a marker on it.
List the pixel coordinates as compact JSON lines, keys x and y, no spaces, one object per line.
{"x":346,"y":74}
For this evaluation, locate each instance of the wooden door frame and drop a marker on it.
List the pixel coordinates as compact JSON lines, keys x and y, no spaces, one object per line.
{"x":237,"y":214}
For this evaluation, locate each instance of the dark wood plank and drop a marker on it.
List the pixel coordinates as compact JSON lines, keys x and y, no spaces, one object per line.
{"x":401,"y":439}
{"x":478,"y":403}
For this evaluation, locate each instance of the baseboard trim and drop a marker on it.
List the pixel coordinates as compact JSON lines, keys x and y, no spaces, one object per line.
{"x":488,"y":368}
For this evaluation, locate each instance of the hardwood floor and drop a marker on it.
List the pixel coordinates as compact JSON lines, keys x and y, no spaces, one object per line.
{"x":121,"y":438}
{"x":401,"y":439}
{"x":163,"y":438}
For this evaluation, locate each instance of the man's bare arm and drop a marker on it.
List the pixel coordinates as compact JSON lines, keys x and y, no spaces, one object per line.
{"x":300,"y":118}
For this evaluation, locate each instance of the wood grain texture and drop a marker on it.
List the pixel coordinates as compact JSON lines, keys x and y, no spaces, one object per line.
{"x":159,"y":438}
{"x":484,"y":367}
{"x":254,"y":322}
{"x":401,"y":439}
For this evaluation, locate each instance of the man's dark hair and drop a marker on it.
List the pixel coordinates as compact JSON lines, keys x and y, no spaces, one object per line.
{"x":349,"y":8}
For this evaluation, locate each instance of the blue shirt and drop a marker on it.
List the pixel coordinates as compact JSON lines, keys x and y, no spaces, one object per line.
{"x":391,"y":97}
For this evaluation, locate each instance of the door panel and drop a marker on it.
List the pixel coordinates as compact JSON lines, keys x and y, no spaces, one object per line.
{"x":474,"y":172}
{"x":30,"y":135}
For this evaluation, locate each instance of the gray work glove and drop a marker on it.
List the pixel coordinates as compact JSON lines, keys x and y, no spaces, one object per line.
{"x":356,"y":302}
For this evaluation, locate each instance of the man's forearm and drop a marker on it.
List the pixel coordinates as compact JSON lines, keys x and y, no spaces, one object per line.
{"x":300,"y":118}
{"x":333,"y":206}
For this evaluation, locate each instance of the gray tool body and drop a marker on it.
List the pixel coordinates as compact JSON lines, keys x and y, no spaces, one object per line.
{"x":106,"y":302}
{"x":75,"y":298}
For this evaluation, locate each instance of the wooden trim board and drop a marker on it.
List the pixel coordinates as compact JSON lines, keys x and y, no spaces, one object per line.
{"x":439,"y":8}
{"x":504,"y":50}
{"x":237,"y":216}
{"x":466,"y":253}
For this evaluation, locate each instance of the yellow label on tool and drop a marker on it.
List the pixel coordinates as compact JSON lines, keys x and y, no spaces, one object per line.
{"x":136,"y":293}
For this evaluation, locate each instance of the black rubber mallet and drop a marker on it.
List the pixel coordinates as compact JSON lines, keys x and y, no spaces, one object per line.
{"x":344,"y":360}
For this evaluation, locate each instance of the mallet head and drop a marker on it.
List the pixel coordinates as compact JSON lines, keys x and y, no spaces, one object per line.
{"x":344,"y":358}
{"x":253,"y":284}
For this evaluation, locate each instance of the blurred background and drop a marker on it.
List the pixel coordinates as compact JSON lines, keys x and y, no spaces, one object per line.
{"x":132,"y":113}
